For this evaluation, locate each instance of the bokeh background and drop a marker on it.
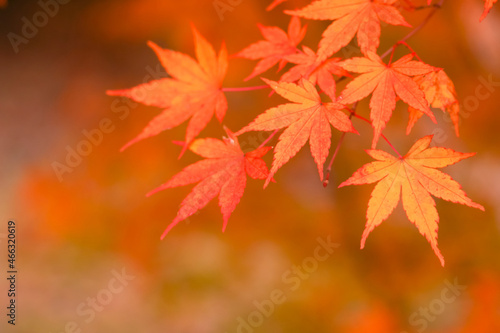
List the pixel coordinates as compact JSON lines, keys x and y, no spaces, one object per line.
{"x":75,"y":234}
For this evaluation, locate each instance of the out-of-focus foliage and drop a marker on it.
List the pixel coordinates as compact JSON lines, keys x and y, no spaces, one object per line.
{"x":75,"y":232}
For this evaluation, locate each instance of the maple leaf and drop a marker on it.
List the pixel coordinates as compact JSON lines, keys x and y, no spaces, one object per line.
{"x":223,"y":172}
{"x":273,"y":50}
{"x":350,"y":17}
{"x":274,"y":4}
{"x":319,"y":72}
{"x":414,"y":177}
{"x":194,"y":91}
{"x":440,"y":92}
{"x":488,"y":4}
{"x":385,"y":82}
{"x":307,"y":118}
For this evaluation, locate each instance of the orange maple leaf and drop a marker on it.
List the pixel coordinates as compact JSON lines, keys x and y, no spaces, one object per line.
{"x":414,"y":177}
{"x":194,"y":91}
{"x":350,"y":17}
{"x":318,"y":72}
{"x":308,"y":118}
{"x":440,"y":92}
{"x":273,"y":50}
{"x":488,"y":4}
{"x":385,"y":82}
{"x":223,"y":172}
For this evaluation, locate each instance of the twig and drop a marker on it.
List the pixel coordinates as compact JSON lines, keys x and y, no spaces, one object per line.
{"x":245,"y":88}
{"x":418,"y":28}
{"x":341,"y":140}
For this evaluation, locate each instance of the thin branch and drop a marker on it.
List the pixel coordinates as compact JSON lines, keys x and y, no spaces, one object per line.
{"x":245,"y":88}
{"x":341,"y":140}
{"x":329,"y":169}
{"x":435,"y":8}
{"x":435,"y":5}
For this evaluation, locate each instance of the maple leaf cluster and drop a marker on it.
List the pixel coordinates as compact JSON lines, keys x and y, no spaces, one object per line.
{"x":195,"y":91}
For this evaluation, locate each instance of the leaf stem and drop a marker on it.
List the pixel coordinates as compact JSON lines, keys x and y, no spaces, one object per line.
{"x":382,"y":135}
{"x":329,"y":169}
{"x":390,"y":144}
{"x":245,"y":88}
{"x":341,"y":140}
{"x":268,"y":139}
{"x":402,"y":42}
{"x":394,"y":47}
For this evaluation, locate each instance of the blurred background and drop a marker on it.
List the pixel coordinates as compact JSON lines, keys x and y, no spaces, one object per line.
{"x":89,"y":254}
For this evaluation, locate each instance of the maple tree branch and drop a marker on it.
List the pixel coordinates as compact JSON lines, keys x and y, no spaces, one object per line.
{"x":245,"y":88}
{"x":434,"y":5}
{"x":435,"y":8}
{"x":412,"y":7}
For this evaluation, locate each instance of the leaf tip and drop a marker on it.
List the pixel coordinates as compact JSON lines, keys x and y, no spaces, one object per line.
{"x":156,"y":190}
{"x":478,"y":206}
{"x":128,"y":144}
{"x":268,"y":180}
{"x":362,"y":244}
{"x":241,"y":131}
{"x":184,"y":149}
{"x":113,"y":92}
{"x":153,"y":45}
{"x":224,"y":225}
{"x":267,"y":81}
{"x":344,"y":183}
{"x":427,"y":138}
{"x":438,"y":254}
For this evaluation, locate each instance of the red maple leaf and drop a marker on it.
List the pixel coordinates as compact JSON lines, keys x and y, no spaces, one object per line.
{"x":306,"y":119}
{"x":308,"y":66}
{"x":194,"y":91}
{"x":275,"y":48}
{"x":413,"y":177}
{"x":385,"y":82}
{"x":350,"y":17}
{"x":223,"y":172}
